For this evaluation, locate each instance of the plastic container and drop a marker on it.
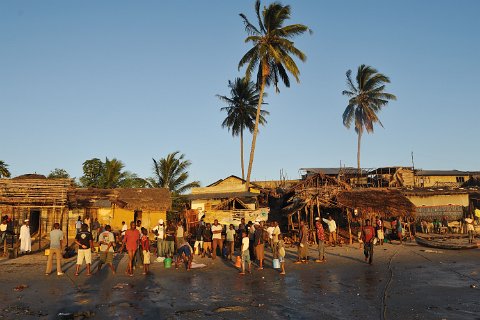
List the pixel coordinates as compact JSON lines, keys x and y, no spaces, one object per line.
{"x":276,"y":263}
{"x":167,"y":263}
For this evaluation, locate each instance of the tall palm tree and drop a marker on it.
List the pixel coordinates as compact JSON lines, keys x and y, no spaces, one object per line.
{"x":367,"y":98}
{"x":241,"y":110}
{"x":171,"y":173}
{"x":4,"y":172}
{"x":112,"y":175}
{"x":272,"y":52}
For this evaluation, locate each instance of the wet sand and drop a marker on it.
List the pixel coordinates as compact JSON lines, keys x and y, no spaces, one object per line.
{"x":405,"y":282}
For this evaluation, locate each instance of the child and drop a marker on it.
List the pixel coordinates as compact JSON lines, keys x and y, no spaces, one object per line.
{"x":184,"y":254}
{"x":146,"y":250}
{"x":106,"y":239}
{"x":281,"y":253}
{"x":245,"y":253}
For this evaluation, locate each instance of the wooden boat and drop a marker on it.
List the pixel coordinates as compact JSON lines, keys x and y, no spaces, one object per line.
{"x":445,"y":244}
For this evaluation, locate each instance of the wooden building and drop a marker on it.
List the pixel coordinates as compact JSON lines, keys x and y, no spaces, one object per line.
{"x":112,"y":206}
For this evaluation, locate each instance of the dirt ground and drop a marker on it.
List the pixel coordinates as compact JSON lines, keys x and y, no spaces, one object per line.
{"x":405,"y":282}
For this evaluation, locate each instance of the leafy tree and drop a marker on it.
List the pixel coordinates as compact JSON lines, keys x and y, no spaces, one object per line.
{"x":272,"y":53}
{"x":92,"y":173}
{"x":241,"y":110}
{"x":367,"y":98}
{"x":4,"y":172}
{"x":171,"y":173}
{"x":58,"y":173}
{"x":132,"y":180}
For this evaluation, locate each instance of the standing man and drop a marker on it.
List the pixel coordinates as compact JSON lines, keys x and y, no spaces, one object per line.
{"x":170,"y":240}
{"x":470,"y":229}
{"x":199,"y":238}
{"x":159,"y":231}
{"x":78,"y":224}
{"x":131,"y":241}
{"x":332,"y":230}
{"x":245,"y":253}
{"x":379,"y":229}
{"x":320,"y":240}
{"x":106,"y":239}
{"x":3,"y":233}
{"x":56,"y":245}
{"x":25,"y":238}
{"x":259,"y":245}
{"x":368,"y":234}
{"x":276,"y":232}
{"x":303,"y":244}
{"x":230,"y":242}
{"x":87,"y":222}
{"x":84,"y":241}
{"x":95,"y":229}
{"x":207,"y":240}
{"x":179,"y":234}
{"x":217,"y":238}
{"x":400,"y":229}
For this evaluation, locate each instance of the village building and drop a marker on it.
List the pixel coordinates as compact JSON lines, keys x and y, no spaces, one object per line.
{"x":47,"y":201}
{"x":228,"y":201}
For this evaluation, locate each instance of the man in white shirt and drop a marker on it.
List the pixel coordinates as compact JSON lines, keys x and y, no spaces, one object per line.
{"x":25,"y":238}
{"x":332,"y":230}
{"x":216,"y":238}
{"x":275,"y":233}
{"x":470,"y":228}
{"x":106,"y":239}
{"x":179,"y":239}
{"x":159,"y":231}
{"x":245,"y":253}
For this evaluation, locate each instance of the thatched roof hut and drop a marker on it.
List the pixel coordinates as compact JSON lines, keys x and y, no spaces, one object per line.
{"x":382,"y":202}
{"x":154,"y":199}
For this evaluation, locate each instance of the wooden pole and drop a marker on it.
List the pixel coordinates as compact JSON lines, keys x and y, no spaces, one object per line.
{"x":349,"y":226}
{"x":40,"y":231}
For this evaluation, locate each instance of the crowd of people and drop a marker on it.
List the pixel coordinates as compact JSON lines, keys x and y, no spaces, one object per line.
{"x":241,"y":245}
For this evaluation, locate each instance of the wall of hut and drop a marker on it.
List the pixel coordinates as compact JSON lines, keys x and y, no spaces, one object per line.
{"x":114,"y":216}
{"x":439,"y":200}
{"x":433,"y":181}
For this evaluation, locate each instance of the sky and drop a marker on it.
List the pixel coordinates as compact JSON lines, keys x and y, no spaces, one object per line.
{"x":136,"y":80}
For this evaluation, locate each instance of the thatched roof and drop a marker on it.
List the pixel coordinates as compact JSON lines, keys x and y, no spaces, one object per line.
{"x":383,"y":202}
{"x":34,"y":190}
{"x":157,"y":199}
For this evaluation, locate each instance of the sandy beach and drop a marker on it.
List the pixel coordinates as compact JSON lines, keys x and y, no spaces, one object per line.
{"x":405,"y":282}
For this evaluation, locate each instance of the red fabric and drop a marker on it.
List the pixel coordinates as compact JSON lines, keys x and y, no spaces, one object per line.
{"x":320,"y":231}
{"x":145,"y":243}
{"x":131,"y":239}
{"x":368,"y":233}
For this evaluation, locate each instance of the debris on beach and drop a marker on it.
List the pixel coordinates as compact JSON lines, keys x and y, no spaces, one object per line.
{"x":198,"y":265}
{"x":120,"y":285}
{"x":432,"y":251}
{"x":20,"y":287}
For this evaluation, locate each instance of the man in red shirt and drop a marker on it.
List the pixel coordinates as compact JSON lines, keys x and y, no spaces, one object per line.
{"x":368,"y":234}
{"x":131,"y":240}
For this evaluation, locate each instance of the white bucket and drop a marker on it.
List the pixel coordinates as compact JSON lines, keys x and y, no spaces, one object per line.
{"x":276,"y":263}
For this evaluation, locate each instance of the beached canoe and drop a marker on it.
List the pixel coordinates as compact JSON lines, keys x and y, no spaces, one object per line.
{"x":446,"y":244}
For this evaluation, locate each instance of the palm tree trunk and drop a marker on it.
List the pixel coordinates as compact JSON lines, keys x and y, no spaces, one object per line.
{"x":255,"y":131}
{"x":241,"y":153}
{"x":358,"y":156}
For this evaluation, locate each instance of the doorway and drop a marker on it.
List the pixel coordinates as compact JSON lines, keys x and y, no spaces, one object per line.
{"x":34,"y":220}
{"x":137,"y":215}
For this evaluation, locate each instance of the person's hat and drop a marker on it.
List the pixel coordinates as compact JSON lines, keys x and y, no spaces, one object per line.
{"x":317,"y":218}
{"x":160,"y":221}
{"x":26,"y":220}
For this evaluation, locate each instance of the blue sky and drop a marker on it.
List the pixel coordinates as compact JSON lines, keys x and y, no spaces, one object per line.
{"x":136,"y":80}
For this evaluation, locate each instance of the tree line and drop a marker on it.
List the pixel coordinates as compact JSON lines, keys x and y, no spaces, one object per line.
{"x":170,"y":172}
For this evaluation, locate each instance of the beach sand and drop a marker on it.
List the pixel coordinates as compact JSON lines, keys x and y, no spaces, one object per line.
{"x":405,"y":282}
